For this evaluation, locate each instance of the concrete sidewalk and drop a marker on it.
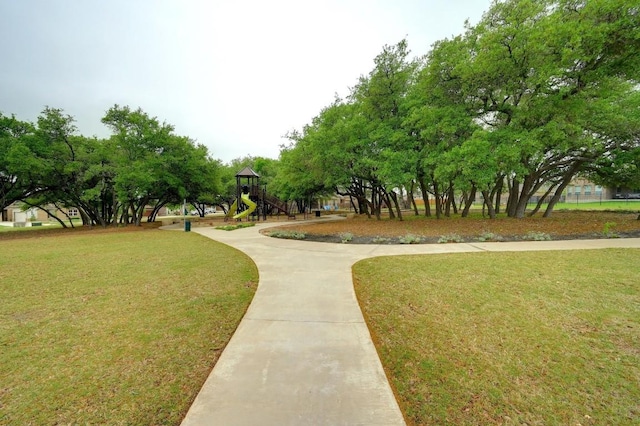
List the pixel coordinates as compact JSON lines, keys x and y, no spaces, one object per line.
{"x":302,"y":354}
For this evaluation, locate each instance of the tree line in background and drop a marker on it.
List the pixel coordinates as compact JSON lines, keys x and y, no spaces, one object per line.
{"x":125,"y":179}
{"x":110,"y":181}
{"x":535,"y":94}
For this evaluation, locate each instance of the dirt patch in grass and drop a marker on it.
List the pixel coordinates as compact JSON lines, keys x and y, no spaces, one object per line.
{"x":562,"y":225}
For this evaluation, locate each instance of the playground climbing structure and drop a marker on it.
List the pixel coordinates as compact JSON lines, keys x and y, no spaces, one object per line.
{"x":252,"y":200}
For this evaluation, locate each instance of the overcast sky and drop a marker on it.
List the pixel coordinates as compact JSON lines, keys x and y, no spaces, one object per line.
{"x":232,"y":75}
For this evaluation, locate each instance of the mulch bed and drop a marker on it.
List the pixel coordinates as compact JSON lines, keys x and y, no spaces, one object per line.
{"x":562,"y":225}
{"x":362,"y":230}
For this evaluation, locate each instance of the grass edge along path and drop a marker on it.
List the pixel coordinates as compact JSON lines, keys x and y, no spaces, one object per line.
{"x":508,"y":338}
{"x":114,"y":328}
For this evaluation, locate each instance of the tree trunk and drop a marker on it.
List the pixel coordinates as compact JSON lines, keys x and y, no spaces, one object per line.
{"x":135,"y":218}
{"x":86,"y":220}
{"x":497,"y":192}
{"x":156,"y":210}
{"x":353,"y":204}
{"x":470,"y":198}
{"x":438,"y":199}
{"x":427,"y":204}
{"x":489,"y":204}
{"x":530,"y":186}
{"x":394,"y":197}
{"x":142,"y":208}
{"x":406,"y":202}
{"x":425,"y":195}
{"x":425,"y":199}
{"x":387,"y":199}
{"x":412,"y":200}
{"x":566,"y":179}
{"x":114,"y":204}
{"x":514,"y":194}
{"x":523,"y":199}
{"x":554,"y":200}
{"x":127,"y":212}
{"x":447,"y":204}
{"x":452,"y":199}
{"x":376,"y":203}
{"x":363,"y":206}
{"x":540,"y":202}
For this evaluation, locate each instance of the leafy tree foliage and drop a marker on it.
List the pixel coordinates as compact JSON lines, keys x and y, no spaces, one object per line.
{"x":157,"y":167}
{"x":538,"y":92}
{"x":534,"y":94}
{"x":16,"y":140}
{"x":143,"y":165}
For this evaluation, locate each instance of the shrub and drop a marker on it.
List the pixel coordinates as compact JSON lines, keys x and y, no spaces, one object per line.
{"x":345,"y":237}
{"x":410,"y":239}
{"x":288,"y":235}
{"x":451,"y":238}
{"x":490,"y":236}
{"x":380,"y":240}
{"x":537,"y":236}
{"x":234,"y":227}
{"x":608,"y":231}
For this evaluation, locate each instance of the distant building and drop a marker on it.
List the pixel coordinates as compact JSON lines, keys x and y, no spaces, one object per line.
{"x":16,"y":212}
{"x":581,"y":189}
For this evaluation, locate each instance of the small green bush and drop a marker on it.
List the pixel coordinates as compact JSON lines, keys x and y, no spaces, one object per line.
{"x":608,"y":231}
{"x":380,"y":240}
{"x":288,"y":235}
{"x":236,"y":226}
{"x":345,"y":237}
{"x":537,"y":236}
{"x":450,"y":238}
{"x":490,"y":236}
{"x":410,"y":239}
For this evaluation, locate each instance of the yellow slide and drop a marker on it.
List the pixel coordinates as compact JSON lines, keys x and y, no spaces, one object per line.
{"x":232,"y":209}
{"x":248,"y":202}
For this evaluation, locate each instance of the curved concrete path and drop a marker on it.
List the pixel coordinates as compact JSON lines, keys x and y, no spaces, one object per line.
{"x":302,"y":354}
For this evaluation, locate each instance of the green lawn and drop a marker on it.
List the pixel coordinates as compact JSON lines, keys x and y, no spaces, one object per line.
{"x":614,"y":205}
{"x":29,"y":228}
{"x":45,"y":225}
{"x":508,"y":338}
{"x":114,"y":327}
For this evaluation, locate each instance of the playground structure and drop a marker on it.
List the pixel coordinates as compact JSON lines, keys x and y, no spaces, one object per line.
{"x":252,"y":200}
{"x":246,"y":199}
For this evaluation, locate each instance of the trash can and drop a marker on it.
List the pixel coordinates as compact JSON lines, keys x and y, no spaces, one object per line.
{"x":187,"y":225}
{"x":317,"y":213}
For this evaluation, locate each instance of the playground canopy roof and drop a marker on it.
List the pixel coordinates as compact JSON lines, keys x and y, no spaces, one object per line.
{"x":247,"y":172}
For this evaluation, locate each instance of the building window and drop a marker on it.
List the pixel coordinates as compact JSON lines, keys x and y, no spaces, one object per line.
{"x":73,"y":212}
{"x":598,"y":190}
{"x":587,"y":190}
{"x":577,"y":189}
{"x":570,"y":190}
